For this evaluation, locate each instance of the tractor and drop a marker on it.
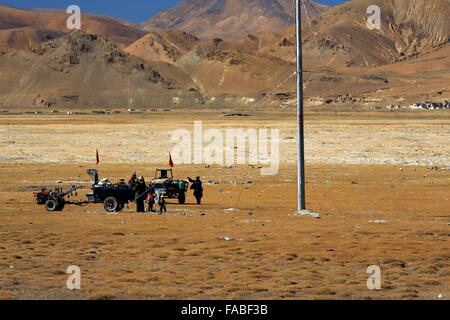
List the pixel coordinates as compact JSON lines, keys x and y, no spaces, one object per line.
{"x":170,"y":188}
{"x":53,"y":199}
{"x":113,"y":196}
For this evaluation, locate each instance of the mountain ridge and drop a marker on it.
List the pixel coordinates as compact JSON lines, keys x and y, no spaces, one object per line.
{"x":229,"y":19}
{"x":120,"y":31}
{"x":344,"y":63}
{"x":87,"y":70}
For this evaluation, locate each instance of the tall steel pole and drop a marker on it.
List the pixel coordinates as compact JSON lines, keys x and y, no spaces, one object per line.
{"x":300,"y":135}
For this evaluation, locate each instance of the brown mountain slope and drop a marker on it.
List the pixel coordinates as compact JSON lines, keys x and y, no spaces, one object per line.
{"x":409,"y":28}
{"x":344,"y":64}
{"x":50,"y":19}
{"x":339,"y":57}
{"x":167,"y":46}
{"x":229,"y":19}
{"x":425,"y":78}
{"x":216,"y":66}
{"x":86,"y":70}
{"x":25,"y":37}
{"x":340,"y":37}
{"x":219,"y":70}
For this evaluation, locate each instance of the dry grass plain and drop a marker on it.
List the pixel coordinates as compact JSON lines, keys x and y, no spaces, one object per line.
{"x":354,"y":176}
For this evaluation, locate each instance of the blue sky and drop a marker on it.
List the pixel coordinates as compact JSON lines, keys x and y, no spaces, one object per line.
{"x":131,"y":10}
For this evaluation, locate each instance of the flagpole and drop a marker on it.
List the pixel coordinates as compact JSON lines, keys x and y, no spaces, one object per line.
{"x":300,"y":119}
{"x":97,"y":158}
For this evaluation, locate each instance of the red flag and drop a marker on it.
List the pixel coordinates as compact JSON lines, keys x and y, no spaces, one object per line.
{"x":170,"y":161}
{"x":97,"y":157}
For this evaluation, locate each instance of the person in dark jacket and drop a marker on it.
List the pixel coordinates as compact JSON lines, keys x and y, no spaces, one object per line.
{"x":198,"y":189}
{"x":141,"y":195}
{"x":134,"y":184}
{"x":162,"y":204}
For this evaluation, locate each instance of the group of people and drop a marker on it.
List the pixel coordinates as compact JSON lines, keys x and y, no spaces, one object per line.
{"x":147,"y":195}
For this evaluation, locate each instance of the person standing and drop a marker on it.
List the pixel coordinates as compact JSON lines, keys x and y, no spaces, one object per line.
{"x":162,"y":204}
{"x":141,"y":195}
{"x":134,"y":185}
{"x":198,"y":189}
{"x":133,"y":179}
{"x":150,"y":200}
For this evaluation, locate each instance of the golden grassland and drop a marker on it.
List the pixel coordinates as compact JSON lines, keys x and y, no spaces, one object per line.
{"x":181,"y":254}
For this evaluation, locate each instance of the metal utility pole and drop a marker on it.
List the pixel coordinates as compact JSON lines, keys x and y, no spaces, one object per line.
{"x":300,"y":135}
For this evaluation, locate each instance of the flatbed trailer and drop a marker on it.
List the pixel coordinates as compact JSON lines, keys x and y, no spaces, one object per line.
{"x":113,"y":196}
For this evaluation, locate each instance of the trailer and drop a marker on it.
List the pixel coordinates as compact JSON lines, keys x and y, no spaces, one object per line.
{"x":113,"y":196}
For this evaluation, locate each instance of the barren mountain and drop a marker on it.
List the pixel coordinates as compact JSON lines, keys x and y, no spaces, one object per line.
{"x":409,"y":28}
{"x":167,"y":46}
{"x":25,"y":37}
{"x":217,"y":69}
{"x":345,"y":64}
{"x":86,"y":70}
{"x":216,"y":66}
{"x":230,"y":19}
{"x":116,"y":30}
{"x":405,"y":61}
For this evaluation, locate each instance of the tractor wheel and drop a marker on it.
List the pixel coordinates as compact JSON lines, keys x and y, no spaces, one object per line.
{"x":121,"y":206}
{"x":61,"y":204}
{"x":182,"y":198}
{"x":111,"y":204}
{"x":52,"y":205}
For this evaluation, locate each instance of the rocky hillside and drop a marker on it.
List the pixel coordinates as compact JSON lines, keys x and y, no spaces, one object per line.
{"x":53,"y":22}
{"x":230,"y":19}
{"x":80,"y":69}
{"x":25,"y":37}
{"x":409,"y":28}
{"x":167,"y":46}
{"x":345,"y":64}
